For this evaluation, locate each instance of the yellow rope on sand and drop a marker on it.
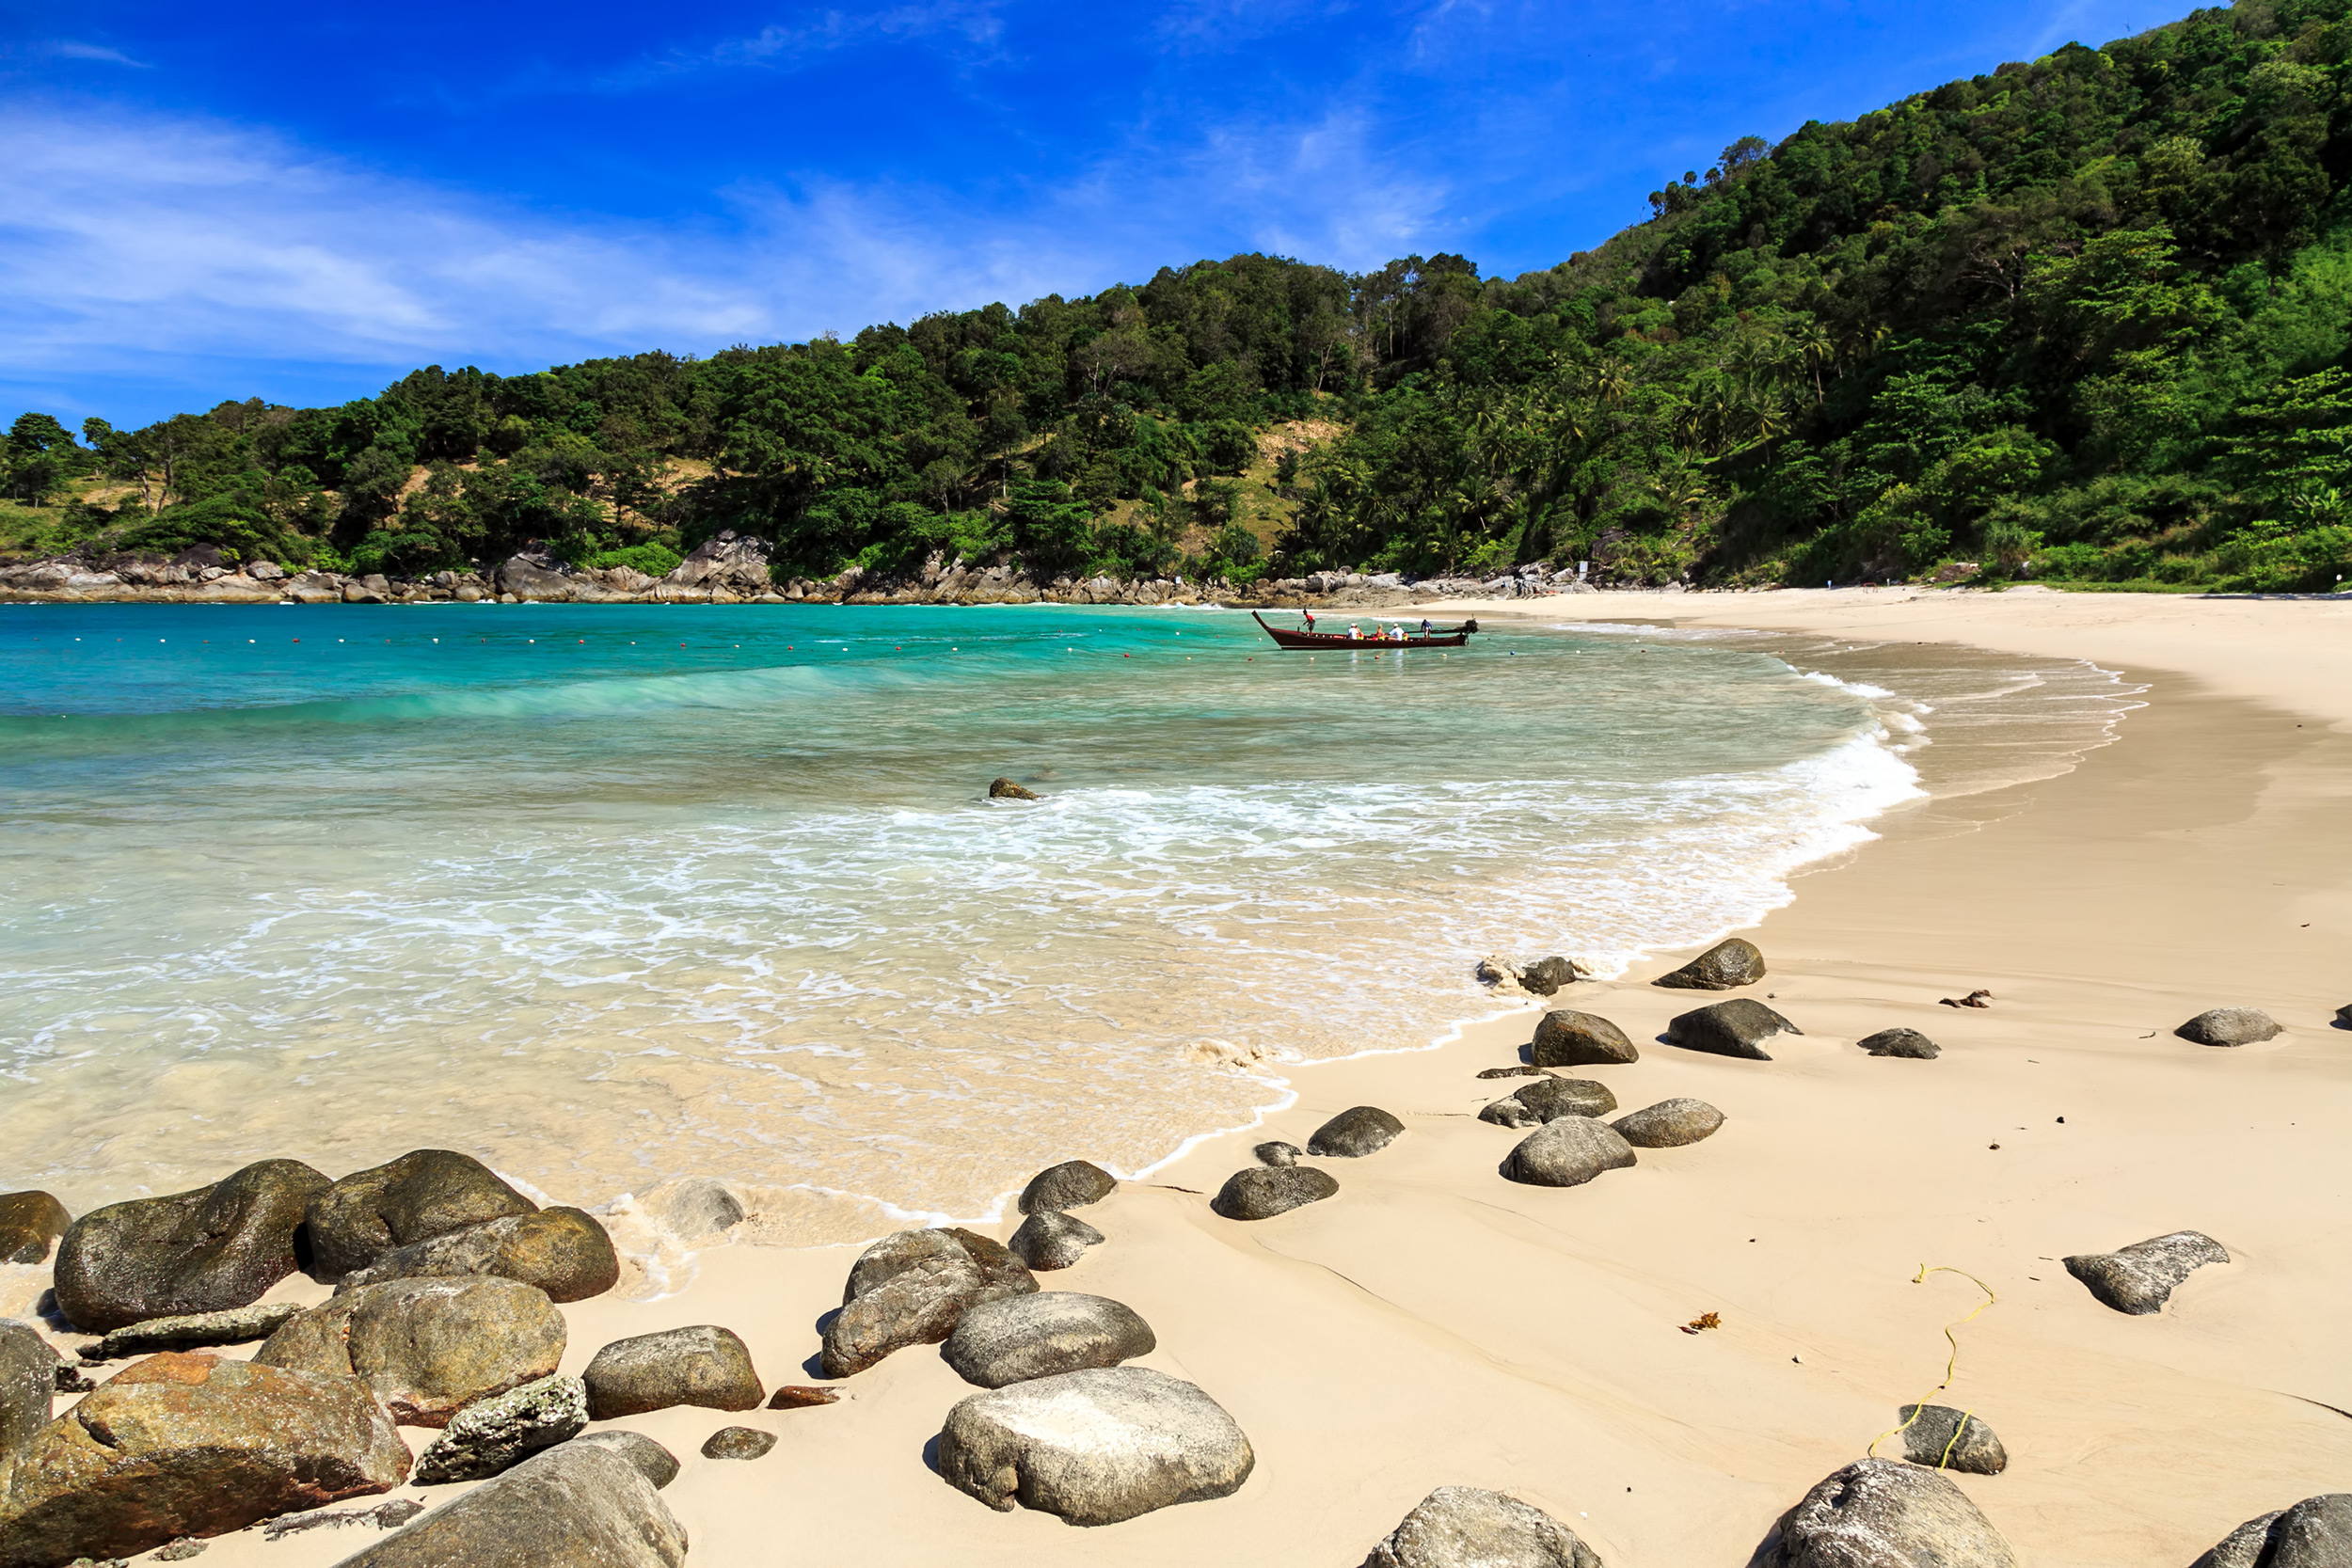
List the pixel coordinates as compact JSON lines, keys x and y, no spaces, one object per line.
{"x":1951,"y":1366}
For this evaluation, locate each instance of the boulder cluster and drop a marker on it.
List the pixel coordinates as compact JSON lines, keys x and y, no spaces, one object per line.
{"x":445,"y":1317}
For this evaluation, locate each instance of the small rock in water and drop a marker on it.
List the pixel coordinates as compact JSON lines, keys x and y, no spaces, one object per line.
{"x":1546,"y":977}
{"x":424,"y":1194}
{"x":1354,"y":1133}
{"x":1947,"y":1439}
{"x":1735,"y":1028}
{"x":1072,"y":1184}
{"x":648,"y":1458}
{"x":2314,"y":1533}
{"x":1468,"y":1526}
{"x":694,"y":1207}
{"x":1901,"y":1043}
{"x":911,"y":1288}
{"x":201,"y":1251}
{"x":1727,"y":964}
{"x":1501,"y":973}
{"x":1005,"y":789}
{"x":1565,"y":1038}
{"x":1265,"y":1190}
{"x":1094,"y":1447}
{"x":739,"y":1443}
{"x":1669,"y":1124}
{"x":706,"y":1366}
{"x":1567,"y":1153}
{"x":1050,"y":1239}
{"x":494,"y":1434}
{"x":2140,"y":1278}
{"x":30,"y":1224}
{"x":2229,"y":1026}
{"x":796,"y":1396}
{"x":1279,"y":1153}
{"x":1547,"y":1100}
{"x":1516,"y":1071}
{"x":1020,"y":1338}
{"x":426,"y":1347}
{"x":1876,"y":1514}
{"x":195,"y":1330}
{"x":564,"y":1252}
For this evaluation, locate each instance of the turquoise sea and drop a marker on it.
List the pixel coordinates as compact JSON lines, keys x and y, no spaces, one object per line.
{"x":611,"y":894}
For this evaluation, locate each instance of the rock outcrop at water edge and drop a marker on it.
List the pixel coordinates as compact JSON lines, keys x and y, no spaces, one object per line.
{"x":1050,"y":1239}
{"x":1072,"y":1184}
{"x":199,"y":1251}
{"x":564,"y":1252}
{"x":424,"y":1194}
{"x":30,"y":1224}
{"x":1722,"y":967}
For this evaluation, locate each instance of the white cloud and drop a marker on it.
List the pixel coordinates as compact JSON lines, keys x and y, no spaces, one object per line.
{"x":69,"y":49}
{"x":128,"y":246}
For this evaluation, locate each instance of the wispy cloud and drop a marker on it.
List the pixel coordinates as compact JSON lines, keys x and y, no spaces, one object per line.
{"x":70,"y":49}
{"x":972,"y":24}
{"x":129,"y":246}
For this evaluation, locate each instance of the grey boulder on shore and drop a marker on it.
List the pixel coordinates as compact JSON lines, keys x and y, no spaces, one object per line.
{"x":199,"y":1251}
{"x":1094,"y":1447}
{"x":1263,"y":1192}
{"x":1736,"y":962}
{"x":495,"y":1435}
{"x":577,"y":1505}
{"x":1278,"y":1153}
{"x":1669,"y":1124}
{"x":1550,"y":1099}
{"x":1877,"y":1513}
{"x":426,"y":1347}
{"x":2230,"y":1026}
{"x":1943,"y":1438}
{"x":1072,"y":1184}
{"x":1546,"y":977}
{"x":911,"y":1288}
{"x":1567,"y":1153}
{"x":1468,"y":1527}
{"x":191,"y":1445}
{"x":704,"y":1365}
{"x":1734,"y":1028}
{"x":2141,"y":1279}
{"x":1355,"y":1132}
{"x":1565,"y":1038}
{"x":564,"y":1252}
{"x":1020,"y":1338}
{"x":426,"y":1192}
{"x":1907,"y":1043}
{"x":1050,"y":1239}
{"x":2314,"y":1533}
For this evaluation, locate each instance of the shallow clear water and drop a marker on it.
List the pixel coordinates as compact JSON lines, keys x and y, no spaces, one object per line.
{"x":608,"y":895}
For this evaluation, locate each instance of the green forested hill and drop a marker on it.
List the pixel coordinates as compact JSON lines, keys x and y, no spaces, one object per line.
{"x":2085,"y":318}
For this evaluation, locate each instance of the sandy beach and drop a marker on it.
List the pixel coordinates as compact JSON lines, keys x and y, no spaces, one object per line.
{"x":1434,"y":1323}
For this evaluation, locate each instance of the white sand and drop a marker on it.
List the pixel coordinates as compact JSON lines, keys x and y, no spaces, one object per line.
{"x":1434,"y":1323}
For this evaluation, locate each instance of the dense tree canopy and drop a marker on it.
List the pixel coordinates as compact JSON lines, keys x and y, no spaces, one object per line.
{"x":2086,"y":317}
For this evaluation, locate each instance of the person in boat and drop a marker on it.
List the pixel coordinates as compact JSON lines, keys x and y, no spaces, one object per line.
{"x":1355,"y":632}
{"x":1425,"y":625}
{"x":1397,"y":632}
{"x":1310,"y":618}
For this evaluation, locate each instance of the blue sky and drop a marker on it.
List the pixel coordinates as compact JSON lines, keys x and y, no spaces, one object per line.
{"x":301,"y":201}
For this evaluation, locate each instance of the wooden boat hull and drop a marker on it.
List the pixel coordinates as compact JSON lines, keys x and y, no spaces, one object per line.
{"x":1285,"y":638}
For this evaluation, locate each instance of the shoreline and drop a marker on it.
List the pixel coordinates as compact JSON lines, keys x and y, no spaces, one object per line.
{"x":1437,"y":1325}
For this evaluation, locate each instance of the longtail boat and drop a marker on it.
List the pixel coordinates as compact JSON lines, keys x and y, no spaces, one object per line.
{"x":1438,"y":637}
